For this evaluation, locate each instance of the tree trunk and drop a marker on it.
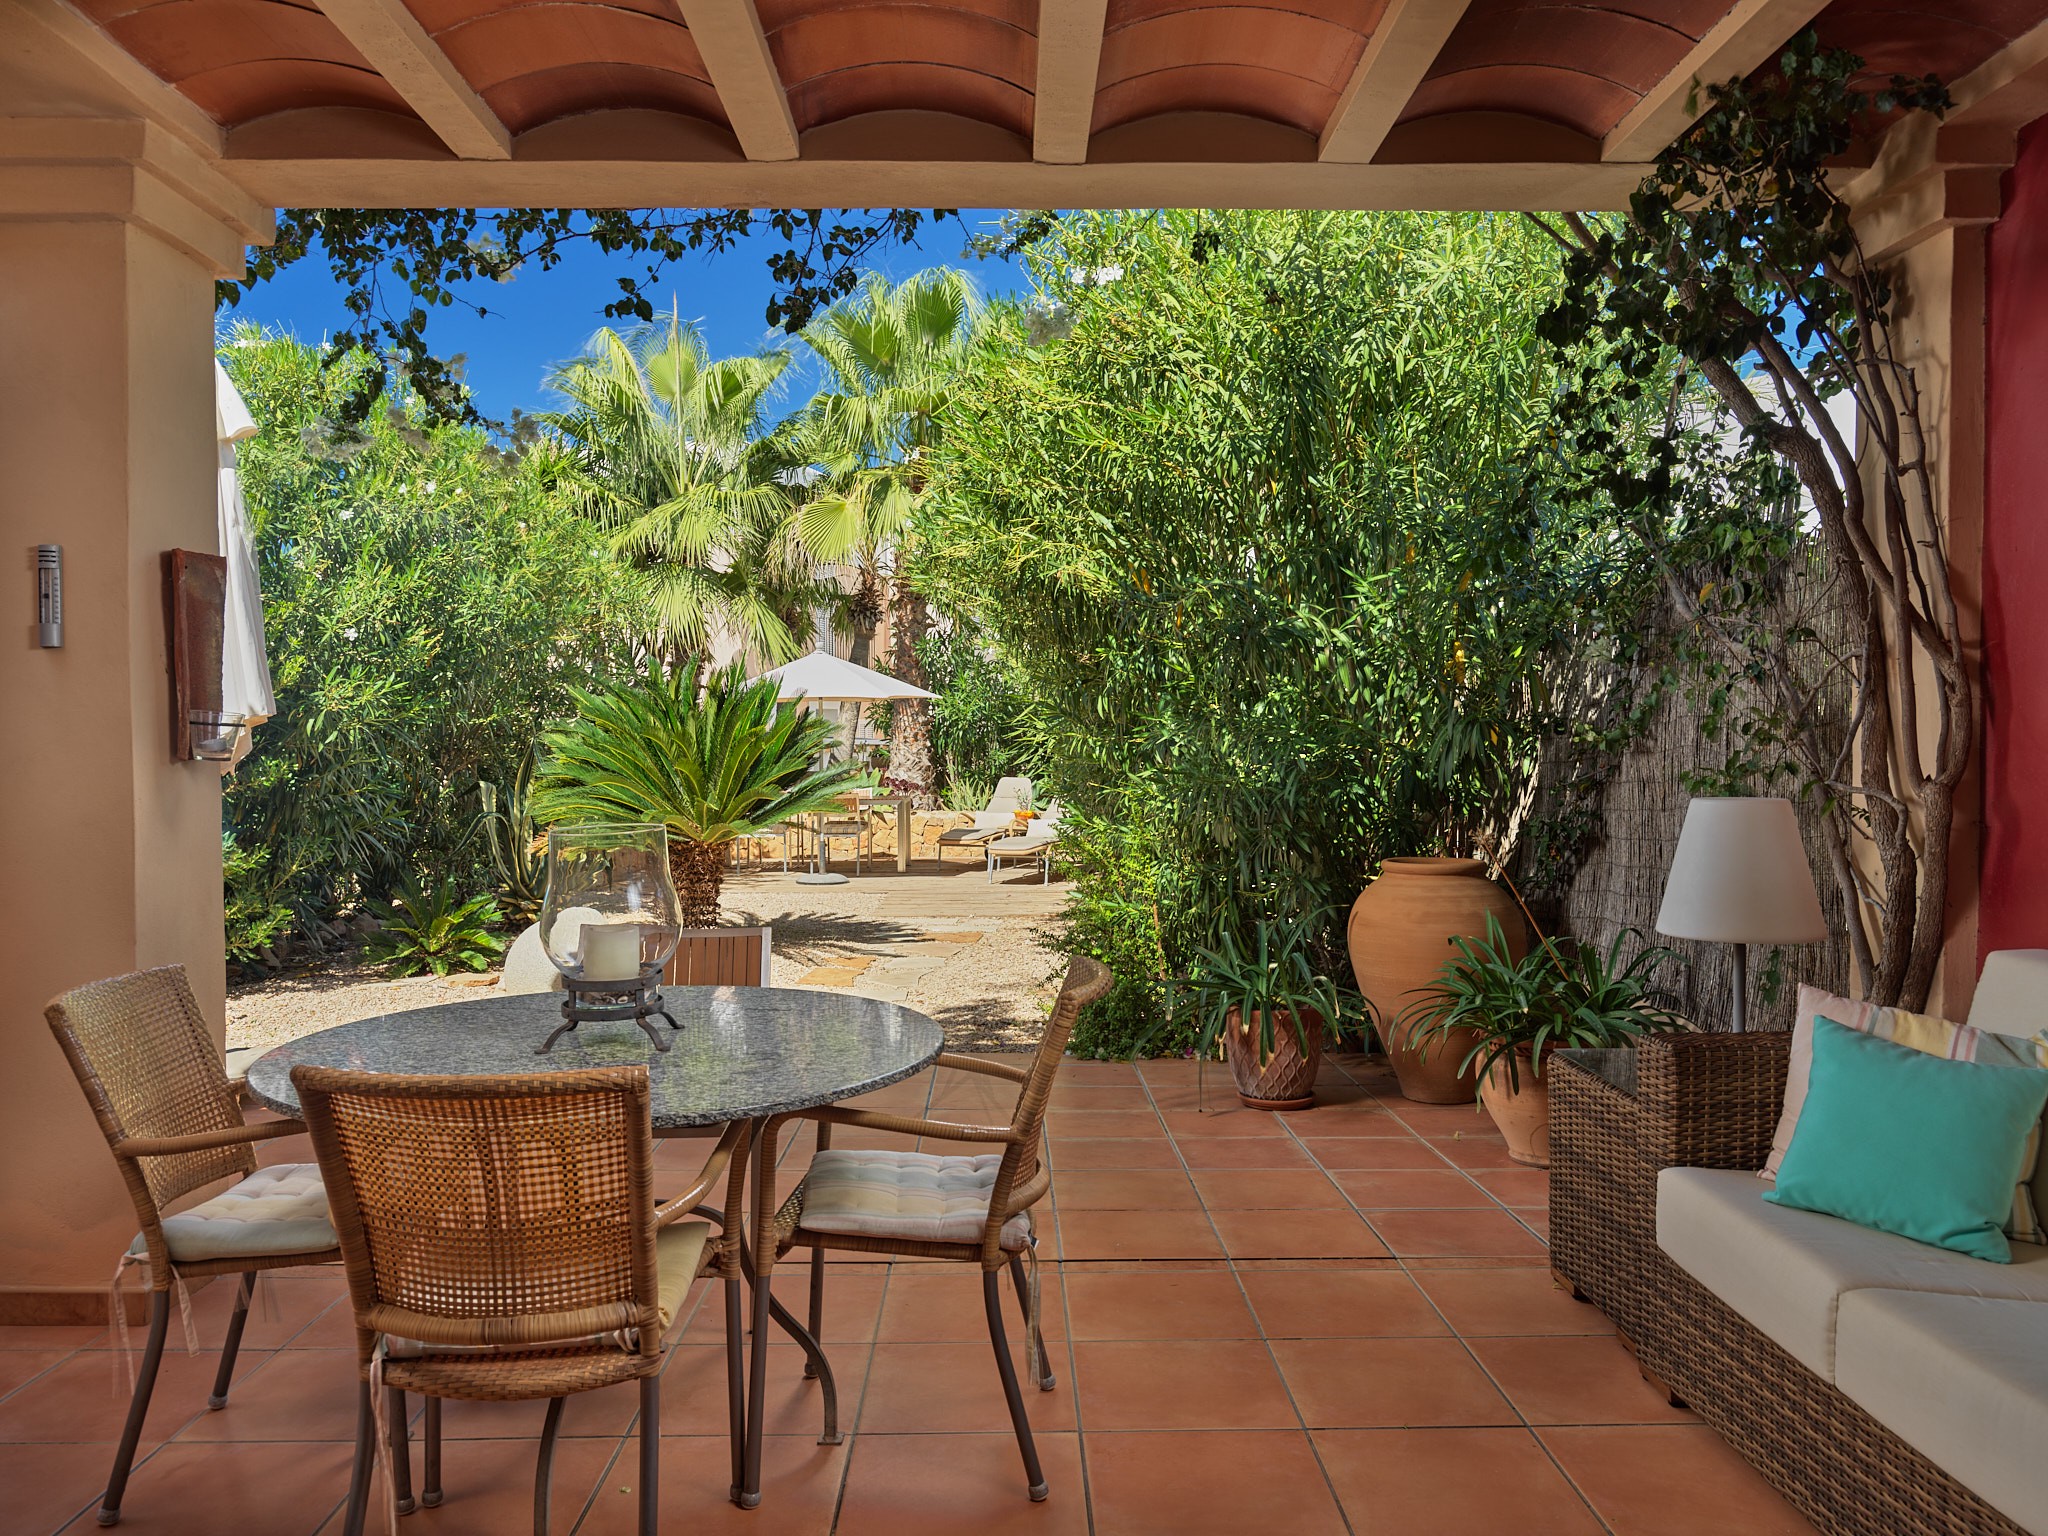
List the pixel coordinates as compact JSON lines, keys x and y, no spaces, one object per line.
{"x":698,"y":870}
{"x":910,"y":729}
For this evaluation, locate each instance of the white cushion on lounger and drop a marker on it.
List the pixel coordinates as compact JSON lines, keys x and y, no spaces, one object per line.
{"x":914,"y":1195}
{"x":1027,"y":842}
{"x":280,"y":1209}
{"x":986,"y":824}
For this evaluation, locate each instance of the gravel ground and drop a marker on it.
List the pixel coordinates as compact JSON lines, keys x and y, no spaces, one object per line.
{"x":989,"y":994}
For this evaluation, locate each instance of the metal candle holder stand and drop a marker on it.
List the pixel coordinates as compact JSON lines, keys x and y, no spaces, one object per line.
{"x":596,"y":1002}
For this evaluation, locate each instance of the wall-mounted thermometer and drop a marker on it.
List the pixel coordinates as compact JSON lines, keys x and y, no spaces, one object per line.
{"x":50,"y":594}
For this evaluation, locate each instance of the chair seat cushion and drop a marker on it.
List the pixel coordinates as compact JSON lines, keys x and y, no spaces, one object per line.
{"x":280,"y":1209}
{"x":911,"y":1195}
{"x":1785,"y":1271}
{"x":1961,"y":1379}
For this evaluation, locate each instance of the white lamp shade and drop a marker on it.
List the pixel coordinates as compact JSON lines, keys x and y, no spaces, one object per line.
{"x":1740,"y":876}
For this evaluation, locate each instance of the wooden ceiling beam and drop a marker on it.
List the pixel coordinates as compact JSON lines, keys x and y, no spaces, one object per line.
{"x":823,"y":181}
{"x":734,"y":48}
{"x":1069,"y":57}
{"x":399,"y":49}
{"x":1399,"y":53}
{"x":1750,"y":33}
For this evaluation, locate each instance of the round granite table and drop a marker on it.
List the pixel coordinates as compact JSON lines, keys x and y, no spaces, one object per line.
{"x":742,"y":1053}
{"x":749,"y":1054}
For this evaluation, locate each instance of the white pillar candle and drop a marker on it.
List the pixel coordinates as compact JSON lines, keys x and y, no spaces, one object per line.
{"x":611,"y":951}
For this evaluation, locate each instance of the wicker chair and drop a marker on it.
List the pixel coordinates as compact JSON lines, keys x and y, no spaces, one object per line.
{"x":155,"y":1082}
{"x":503,"y":1243}
{"x":973,"y":1209}
{"x":721,"y":957}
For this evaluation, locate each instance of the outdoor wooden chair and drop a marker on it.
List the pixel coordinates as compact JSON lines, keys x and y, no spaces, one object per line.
{"x":503,"y":1243}
{"x":850,"y":822}
{"x":975,"y":1209}
{"x":721,"y":957}
{"x":786,"y":834}
{"x":155,"y":1082}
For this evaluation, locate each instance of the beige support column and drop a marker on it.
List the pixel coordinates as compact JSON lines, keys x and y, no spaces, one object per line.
{"x":1925,"y":221}
{"x":107,"y":265}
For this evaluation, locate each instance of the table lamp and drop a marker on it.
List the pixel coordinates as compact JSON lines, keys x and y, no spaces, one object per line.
{"x":1740,"y":877}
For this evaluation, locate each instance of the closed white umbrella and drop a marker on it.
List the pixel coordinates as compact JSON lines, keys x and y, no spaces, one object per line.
{"x":245,"y":670}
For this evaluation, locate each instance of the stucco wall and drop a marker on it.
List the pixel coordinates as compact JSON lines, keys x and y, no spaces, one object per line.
{"x":111,"y":849}
{"x":2013,"y":903}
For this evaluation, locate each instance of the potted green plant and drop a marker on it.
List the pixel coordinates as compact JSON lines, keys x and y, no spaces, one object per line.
{"x":1264,"y":999}
{"x":1516,"y":1010}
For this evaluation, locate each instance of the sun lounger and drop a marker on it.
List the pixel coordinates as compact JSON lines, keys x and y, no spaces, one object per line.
{"x":992,"y":822}
{"x":1035,"y":842}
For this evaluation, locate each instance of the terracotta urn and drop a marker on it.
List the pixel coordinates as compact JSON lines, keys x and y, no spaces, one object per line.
{"x":1285,"y":1078}
{"x":1522,"y":1111}
{"x":1400,"y":937}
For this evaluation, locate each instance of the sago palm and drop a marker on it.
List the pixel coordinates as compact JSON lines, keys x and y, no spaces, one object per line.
{"x":893,"y":354}
{"x":710,"y":769}
{"x":663,"y":445}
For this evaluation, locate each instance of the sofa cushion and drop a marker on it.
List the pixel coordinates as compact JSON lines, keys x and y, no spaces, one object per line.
{"x":1961,"y":1379}
{"x":1785,"y":1270}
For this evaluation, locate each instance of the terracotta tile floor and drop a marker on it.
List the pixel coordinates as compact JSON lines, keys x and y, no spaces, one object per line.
{"x":1332,"y":1321}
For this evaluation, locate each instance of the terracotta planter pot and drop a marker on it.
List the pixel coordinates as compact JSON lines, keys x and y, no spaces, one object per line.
{"x":1523,"y":1112}
{"x":1286,"y":1079}
{"x":1400,"y":936}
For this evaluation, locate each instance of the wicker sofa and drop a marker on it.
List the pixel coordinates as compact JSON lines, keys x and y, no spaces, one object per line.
{"x":1885,"y":1388}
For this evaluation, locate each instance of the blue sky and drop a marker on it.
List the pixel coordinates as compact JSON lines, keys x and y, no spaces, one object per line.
{"x":542,"y":318}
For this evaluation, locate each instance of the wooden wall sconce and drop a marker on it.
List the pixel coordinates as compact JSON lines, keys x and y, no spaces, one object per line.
{"x":195,"y":615}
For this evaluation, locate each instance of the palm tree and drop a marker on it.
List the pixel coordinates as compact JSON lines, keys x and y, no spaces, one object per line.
{"x":892,"y":354}
{"x":725,"y":766}
{"x":664,"y":447}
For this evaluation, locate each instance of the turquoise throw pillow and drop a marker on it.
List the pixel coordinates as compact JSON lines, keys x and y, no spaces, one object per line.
{"x":1905,"y":1142}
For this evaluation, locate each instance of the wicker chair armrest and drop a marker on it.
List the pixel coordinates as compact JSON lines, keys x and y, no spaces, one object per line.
{"x":1712,"y":1100}
{"x":708,"y":1177}
{"x":985,"y":1068}
{"x":909,"y":1125}
{"x":204,"y":1141}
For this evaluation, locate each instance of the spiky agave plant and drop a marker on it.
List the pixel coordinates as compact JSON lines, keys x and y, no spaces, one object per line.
{"x":711,"y":769}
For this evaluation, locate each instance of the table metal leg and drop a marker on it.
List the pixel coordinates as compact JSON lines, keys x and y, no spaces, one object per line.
{"x":764,"y":1267}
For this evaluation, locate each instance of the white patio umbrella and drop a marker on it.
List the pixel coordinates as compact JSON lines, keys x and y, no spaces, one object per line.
{"x":824,"y":678}
{"x":245,"y":670}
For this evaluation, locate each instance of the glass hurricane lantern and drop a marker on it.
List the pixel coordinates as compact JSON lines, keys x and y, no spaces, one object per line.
{"x":609,"y":922}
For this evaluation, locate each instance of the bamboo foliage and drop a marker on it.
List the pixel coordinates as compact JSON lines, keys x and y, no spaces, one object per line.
{"x":1264,"y":531}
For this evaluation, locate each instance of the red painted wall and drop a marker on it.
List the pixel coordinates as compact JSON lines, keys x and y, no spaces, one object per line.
{"x":2013,"y":904}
